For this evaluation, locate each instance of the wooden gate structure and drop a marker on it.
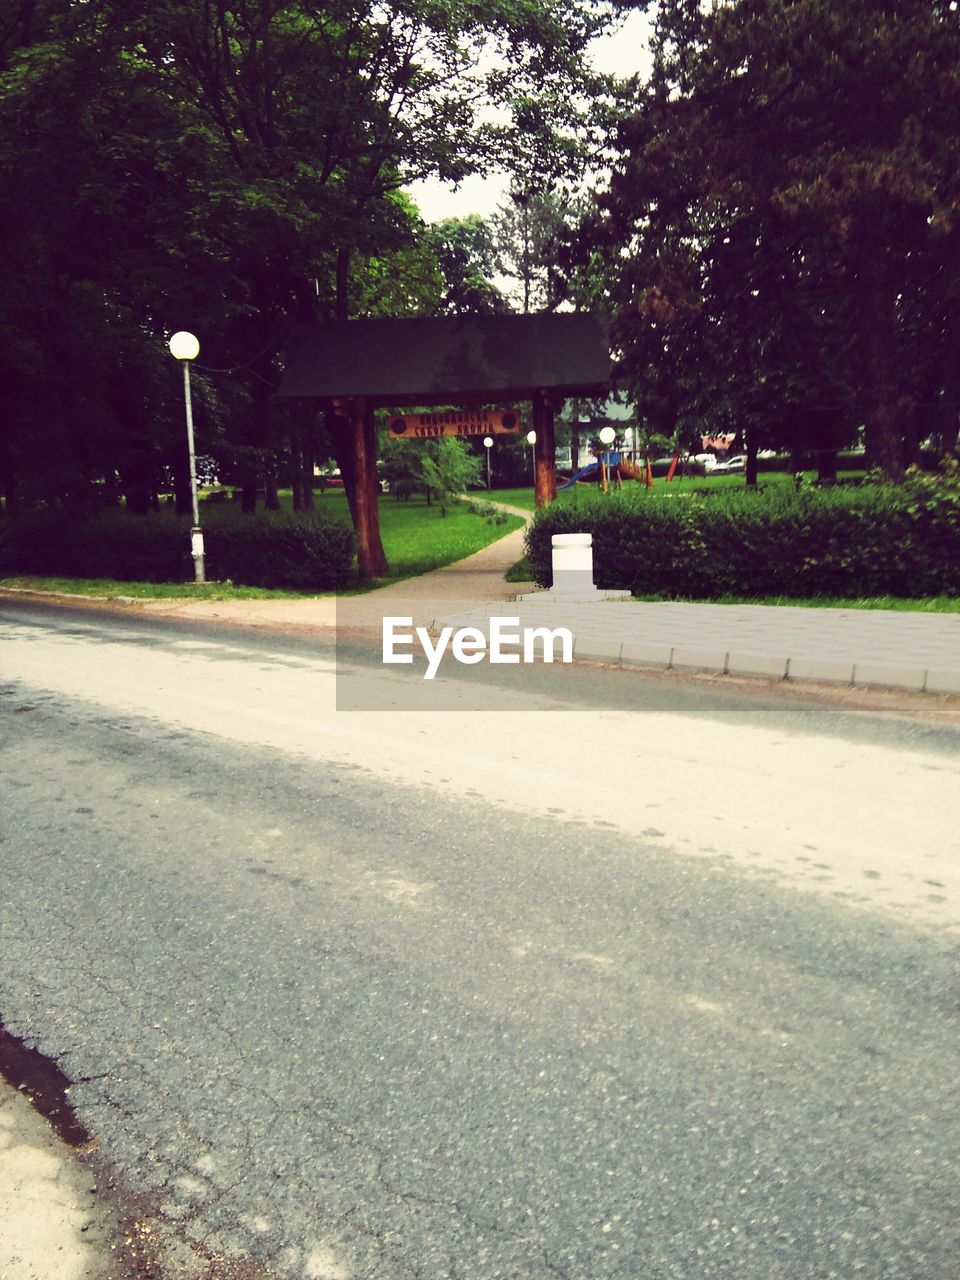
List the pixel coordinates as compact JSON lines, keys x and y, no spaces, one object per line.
{"x":354,"y":367}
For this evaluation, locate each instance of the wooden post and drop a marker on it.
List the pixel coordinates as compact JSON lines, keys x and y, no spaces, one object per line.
{"x":370,"y":559}
{"x":544,"y":451}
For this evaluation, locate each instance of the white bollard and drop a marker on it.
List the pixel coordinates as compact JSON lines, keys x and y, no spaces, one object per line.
{"x":572,"y":558}
{"x":572,"y":555}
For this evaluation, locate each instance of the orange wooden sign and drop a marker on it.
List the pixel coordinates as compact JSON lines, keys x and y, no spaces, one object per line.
{"x":454,"y":422}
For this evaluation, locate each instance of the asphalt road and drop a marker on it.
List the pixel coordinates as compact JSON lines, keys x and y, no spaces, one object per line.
{"x":659,"y":982}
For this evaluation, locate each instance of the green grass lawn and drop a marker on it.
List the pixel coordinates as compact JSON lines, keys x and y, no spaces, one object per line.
{"x":694,"y":484}
{"x":416,"y":539}
{"x":112,"y":589}
{"x":925,"y":604}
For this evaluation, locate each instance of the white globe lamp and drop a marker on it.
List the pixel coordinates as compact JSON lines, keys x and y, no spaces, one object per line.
{"x":184,"y":346}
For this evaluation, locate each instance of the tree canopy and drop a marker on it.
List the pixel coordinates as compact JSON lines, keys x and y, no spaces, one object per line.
{"x":782,"y":225}
{"x":228,"y":168}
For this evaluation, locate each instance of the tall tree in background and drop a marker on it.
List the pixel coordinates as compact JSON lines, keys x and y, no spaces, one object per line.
{"x":466,"y":258}
{"x":528,"y":229}
{"x":231,"y":167}
{"x":786,"y":206}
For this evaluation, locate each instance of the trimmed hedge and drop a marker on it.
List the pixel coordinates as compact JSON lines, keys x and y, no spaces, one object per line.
{"x":898,"y":540}
{"x":307,"y":552}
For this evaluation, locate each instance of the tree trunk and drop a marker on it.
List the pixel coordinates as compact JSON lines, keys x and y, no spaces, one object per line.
{"x":271,"y":498}
{"x":342,"y":302}
{"x":948,"y":426}
{"x":340,"y":431}
{"x":827,"y":466}
{"x":296,"y":474}
{"x":544,"y":452}
{"x":181,"y":489}
{"x":306,"y":475}
{"x":248,"y":504}
{"x":751,"y":469}
{"x":9,"y":491}
{"x":882,"y":436}
{"x":137,"y":483}
{"x":916,"y":424}
{"x":371,"y":561}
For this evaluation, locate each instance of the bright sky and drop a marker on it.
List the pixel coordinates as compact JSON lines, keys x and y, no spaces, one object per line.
{"x":624,"y":54}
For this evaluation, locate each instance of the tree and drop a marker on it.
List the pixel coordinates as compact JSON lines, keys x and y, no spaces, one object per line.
{"x":528,"y":229}
{"x":439,"y":469}
{"x":467,"y":261}
{"x":230,"y":168}
{"x":449,"y":468}
{"x":402,"y":467}
{"x":788,"y":251}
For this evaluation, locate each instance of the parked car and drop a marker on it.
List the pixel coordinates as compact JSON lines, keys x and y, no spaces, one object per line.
{"x":736,"y":463}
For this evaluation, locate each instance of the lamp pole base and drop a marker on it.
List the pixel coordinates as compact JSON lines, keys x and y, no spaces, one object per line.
{"x":196,"y":550}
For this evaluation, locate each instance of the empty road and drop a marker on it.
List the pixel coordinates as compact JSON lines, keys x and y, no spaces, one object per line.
{"x":593,"y":974}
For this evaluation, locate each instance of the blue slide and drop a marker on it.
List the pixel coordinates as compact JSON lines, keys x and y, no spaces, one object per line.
{"x":581,"y":475}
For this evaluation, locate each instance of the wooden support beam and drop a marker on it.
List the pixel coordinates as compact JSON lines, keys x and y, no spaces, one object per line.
{"x":544,"y":451}
{"x":371,"y":561}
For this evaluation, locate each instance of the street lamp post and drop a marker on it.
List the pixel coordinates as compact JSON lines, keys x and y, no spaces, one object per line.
{"x":607,"y":437}
{"x":185,"y":347}
{"x":488,"y":445}
{"x":531,"y":441}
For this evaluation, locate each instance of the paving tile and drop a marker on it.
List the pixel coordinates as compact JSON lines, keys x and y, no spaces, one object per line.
{"x":896,"y":675}
{"x":832,"y":670}
{"x":943,"y":680}
{"x":700,"y":658}
{"x":589,"y":649}
{"x":636,"y":653}
{"x":845,"y":646}
{"x":757,"y":664}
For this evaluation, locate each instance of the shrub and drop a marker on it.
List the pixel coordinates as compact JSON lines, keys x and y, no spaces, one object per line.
{"x":899,"y":540}
{"x":112,"y":545}
{"x":306,"y":552}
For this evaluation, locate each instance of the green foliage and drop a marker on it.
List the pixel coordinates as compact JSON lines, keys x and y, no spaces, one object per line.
{"x":873,"y":540}
{"x":449,"y":468}
{"x":310,"y":552}
{"x":781,"y":230}
{"x":401,"y":465}
{"x":466,"y":259}
{"x":440,"y":469}
{"x":232,"y":168}
{"x":527,"y":230}
{"x":493,"y":515}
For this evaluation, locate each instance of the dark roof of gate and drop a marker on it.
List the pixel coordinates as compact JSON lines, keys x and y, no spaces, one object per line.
{"x":459,"y":357}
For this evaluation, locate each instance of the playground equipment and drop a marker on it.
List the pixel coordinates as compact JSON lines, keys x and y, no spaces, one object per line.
{"x":614,"y":466}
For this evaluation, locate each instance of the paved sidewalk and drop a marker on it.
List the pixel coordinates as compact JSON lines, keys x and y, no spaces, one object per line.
{"x":919,"y":652}
{"x":915,"y":651}
{"x":51,"y":1223}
